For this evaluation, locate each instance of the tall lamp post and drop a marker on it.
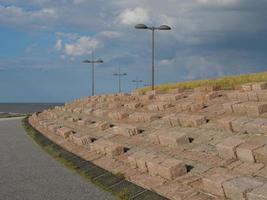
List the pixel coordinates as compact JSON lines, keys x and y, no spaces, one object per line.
{"x":153,"y":29}
{"x":137,"y":81}
{"x":93,"y":62}
{"x":119,"y":76}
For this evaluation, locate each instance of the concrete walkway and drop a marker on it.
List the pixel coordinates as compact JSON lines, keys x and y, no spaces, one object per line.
{"x":28,"y":173}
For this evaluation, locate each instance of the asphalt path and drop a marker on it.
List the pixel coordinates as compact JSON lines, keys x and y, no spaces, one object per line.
{"x":28,"y":173}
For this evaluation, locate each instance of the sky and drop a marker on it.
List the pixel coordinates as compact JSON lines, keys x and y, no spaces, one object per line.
{"x":43,"y":44}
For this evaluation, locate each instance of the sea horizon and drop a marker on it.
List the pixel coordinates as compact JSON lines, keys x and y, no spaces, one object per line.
{"x":26,"y":108}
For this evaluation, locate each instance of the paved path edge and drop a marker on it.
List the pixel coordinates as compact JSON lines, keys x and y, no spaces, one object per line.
{"x":102,"y":178}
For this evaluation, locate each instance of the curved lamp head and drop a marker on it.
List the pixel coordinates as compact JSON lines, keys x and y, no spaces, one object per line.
{"x":86,"y":61}
{"x":99,"y":61}
{"x":141,"y":26}
{"x":164,"y":27}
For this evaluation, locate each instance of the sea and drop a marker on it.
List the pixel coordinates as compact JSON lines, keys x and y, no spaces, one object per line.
{"x":25,"y":108}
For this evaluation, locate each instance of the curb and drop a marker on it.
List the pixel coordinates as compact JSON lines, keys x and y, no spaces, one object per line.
{"x":115,"y":184}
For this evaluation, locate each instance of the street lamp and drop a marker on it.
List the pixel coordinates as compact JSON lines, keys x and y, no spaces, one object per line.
{"x":119,"y":76}
{"x":93,"y":62}
{"x":137,"y":81}
{"x":153,"y":29}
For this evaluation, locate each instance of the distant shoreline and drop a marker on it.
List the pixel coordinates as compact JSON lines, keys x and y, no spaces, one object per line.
{"x":25,"y":108}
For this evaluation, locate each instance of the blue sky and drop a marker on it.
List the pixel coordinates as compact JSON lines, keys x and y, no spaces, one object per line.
{"x":42,"y":44}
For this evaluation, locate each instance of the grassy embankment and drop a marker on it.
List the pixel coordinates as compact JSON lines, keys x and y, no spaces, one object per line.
{"x":226,"y":83}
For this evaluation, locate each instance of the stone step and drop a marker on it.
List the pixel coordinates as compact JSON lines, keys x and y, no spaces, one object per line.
{"x":238,"y":187}
{"x":65,"y":132}
{"x":126,"y":130}
{"x":172,"y":138}
{"x":108,"y":148}
{"x":168,"y":168}
{"x":143,"y":117}
{"x":186,"y":120}
{"x":159,"y":106}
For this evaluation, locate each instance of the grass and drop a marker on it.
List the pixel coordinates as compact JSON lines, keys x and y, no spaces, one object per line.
{"x":226,"y":83}
{"x":122,"y":190}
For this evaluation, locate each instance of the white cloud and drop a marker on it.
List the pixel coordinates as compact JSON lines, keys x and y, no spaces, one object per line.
{"x":218,"y":1}
{"x":111,"y":34}
{"x":167,"y":62}
{"x":13,"y":15}
{"x":58,"y":45}
{"x":78,"y":1}
{"x":134,"y":16}
{"x":82,"y":46}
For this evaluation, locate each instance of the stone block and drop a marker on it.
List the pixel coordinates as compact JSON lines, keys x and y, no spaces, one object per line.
{"x":102,"y":125}
{"x":225,"y":123}
{"x":172,"y":120}
{"x":171,"y":168}
{"x":53,"y":127}
{"x":88,"y":111}
{"x":246,"y":87}
{"x":259,"y":86}
{"x":172,"y":138}
{"x":167,"y":168}
{"x":227,"y":148}
{"x":245,"y":151}
{"x":213,"y":180}
{"x":262,"y":95}
{"x":65,"y":132}
{"x":170,"y":97}
{"x":115,"y":105}
{"x":238,"y":124}
{"x":259,"y":193}
{"x":84,"y":122}
{"x":147,"y":97}
{"x":133,"y":105}
{"x":242,"y":96}
{"x":126,"y":130}
{"x":201,"y":196}
{"x":100,"y":113}
{"x":184,"y":106}
{"x":142,"y":158}
{"x":260,"y":155}
{"x":255,"y":108}
{"x":114,"y":150}
{"x":232,"y":96}
{"x":109,"y":148}
{"x":153,"y":138}
{"x":82,"y":140}
{"x":143,"y":117}
{"x":248,"y":168}
{"x":255,"y":126}
{"x":239,"y":108}
{"x":229,"y":106}
{"x":237,"y":187}
{"x":131,"y":158}
{"x":159,"y":106}
{"x":253,"y":96}
{"x":118,"y":115}
{"x":188,"y":120}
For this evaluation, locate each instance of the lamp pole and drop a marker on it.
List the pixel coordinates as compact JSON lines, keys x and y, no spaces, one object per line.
{"x":153,"y":29}
{"x":137,"y":81}
{"x":93,"y":62}
{"x":119,"y":77}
